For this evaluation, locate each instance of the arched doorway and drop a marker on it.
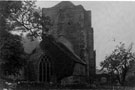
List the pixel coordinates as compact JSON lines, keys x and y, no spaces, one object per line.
{"x":45,"y":69}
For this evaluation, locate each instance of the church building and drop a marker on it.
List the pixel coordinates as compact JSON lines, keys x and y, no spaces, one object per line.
{"x":68,"y":50}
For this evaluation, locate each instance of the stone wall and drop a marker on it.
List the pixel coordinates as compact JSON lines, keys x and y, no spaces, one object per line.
{"x":73,"y":23}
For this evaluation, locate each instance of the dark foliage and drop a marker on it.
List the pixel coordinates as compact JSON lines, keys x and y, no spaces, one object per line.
{"x":11,"y":51}
{"x":11,"y":48}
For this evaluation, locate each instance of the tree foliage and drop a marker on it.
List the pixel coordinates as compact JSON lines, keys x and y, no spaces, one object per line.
{"x":30,"y":19}
{"x":6,"y":9}
{"x":11,"y":51}
{"x":11,"y":47}
{"x":119,"y":61}
{"x":18,"y":16}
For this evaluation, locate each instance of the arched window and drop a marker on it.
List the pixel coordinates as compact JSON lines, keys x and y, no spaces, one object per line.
{"x":45,"y":70}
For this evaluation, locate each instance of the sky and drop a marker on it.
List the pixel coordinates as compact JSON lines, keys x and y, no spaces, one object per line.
{"x":112,"y":21}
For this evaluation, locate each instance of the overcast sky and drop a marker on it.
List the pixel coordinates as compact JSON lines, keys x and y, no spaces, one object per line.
{"x":113,"y":22}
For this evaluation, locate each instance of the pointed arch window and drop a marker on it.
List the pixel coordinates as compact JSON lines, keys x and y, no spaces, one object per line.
{"x":45,"y":70}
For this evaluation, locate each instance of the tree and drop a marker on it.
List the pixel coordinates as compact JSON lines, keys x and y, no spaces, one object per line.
{"x":24,"y":16}
{"x":18,"y":16}
{"x":6,"y":9}
{"x":11,"y":48}
{"x":11,"y":51}
{"x":119,"y":62}
{"x":29,"y":19}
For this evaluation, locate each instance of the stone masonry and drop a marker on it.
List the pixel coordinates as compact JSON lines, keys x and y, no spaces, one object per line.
{"x":72,"y":27}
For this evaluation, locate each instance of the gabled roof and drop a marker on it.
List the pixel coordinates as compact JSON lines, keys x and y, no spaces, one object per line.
{"x":70,"y":53}
{"x":63,"y":49}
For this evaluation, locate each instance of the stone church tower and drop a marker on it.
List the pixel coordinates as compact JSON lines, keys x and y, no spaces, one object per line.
{"x":72,"y":27}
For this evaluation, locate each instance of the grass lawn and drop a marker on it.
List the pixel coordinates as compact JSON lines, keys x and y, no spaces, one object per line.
{"x":42,"y":86}
{"x":46,"y":87}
